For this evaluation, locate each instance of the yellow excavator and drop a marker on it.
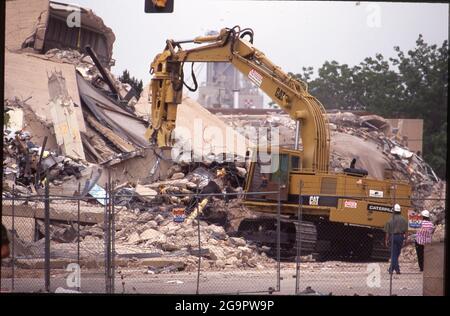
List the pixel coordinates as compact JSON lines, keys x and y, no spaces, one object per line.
{"x":342,"y":213}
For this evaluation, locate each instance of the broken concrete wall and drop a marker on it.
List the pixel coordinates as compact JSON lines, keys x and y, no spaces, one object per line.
{"x":141,"y":169}
{"x":43,"y":25}
{"x":93,"y":31}
{"x":205,"y":134}
{"x":24,"y":20}
{"x":21,"y":117}
{"x":38,"y":128}
{"x":64,"y":117}
{"x":26,"y":75}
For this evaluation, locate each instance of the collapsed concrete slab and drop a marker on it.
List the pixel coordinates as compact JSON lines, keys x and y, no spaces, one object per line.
{"x":64,"y":118}
{"x":121,"y":122}
{"x":88,"y":214}
{"x":202,"y":133}
{"x":43,"y":25}
{"x":26,"y":77}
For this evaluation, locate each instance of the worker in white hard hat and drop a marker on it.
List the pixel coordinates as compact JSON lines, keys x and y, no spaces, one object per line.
{"x":423,"y":236}
{"x":396,"y":229}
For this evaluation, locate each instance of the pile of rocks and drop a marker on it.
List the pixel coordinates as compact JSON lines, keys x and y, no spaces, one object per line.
{"x":156,"y":232}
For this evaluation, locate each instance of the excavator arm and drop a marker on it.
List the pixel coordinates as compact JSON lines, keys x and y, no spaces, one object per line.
{"x":230,"y":46}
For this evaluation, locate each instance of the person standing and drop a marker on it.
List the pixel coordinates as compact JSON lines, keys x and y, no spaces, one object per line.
{"x":396,"y":229}
{"x":423,"y":236}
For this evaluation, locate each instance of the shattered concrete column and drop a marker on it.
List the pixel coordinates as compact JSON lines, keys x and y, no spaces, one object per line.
{"x":64,"y":117}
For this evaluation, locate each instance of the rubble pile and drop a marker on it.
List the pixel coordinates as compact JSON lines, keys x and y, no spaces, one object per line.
{"x":152,"y":233}
{"x":26,"y":165}
{"x":155,"y":231}
{"x":183,"y":181}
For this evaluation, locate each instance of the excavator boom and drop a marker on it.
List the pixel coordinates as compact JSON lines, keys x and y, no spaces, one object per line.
{"x":230,"y":46}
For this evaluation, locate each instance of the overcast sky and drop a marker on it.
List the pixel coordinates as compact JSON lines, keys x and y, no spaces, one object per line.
{"x":292,"y":34}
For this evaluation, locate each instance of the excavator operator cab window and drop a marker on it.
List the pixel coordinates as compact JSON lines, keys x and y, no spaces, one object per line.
{"x":295,"y":163}
{"x":282,"y":172}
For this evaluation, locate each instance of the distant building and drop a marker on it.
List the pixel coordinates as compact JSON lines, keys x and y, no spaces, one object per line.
{"x":222,"y":81}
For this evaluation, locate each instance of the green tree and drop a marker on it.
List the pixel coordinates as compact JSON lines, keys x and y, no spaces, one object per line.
{"x":137,"y":85}
{"x":411,"y":85}
{"x":424,"y":75}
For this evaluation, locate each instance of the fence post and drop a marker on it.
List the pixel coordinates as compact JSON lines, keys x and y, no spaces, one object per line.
{"x":13,"y":252}
{"x":298,"y":238}
{"x":106,"y":239}
{"x":47,"y":235}
{"x":391,"y":272}
{"x":113,"y":236}
{"x":278,"y":237}
{"x":199,"y":243}
{"x":78,"y":230}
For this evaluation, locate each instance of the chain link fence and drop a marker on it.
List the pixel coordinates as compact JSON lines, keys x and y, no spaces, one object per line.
{"x":196,"y":249}
{"x":124,"y":243}
{"x":55,"y":244}
{"x":357,"y":260}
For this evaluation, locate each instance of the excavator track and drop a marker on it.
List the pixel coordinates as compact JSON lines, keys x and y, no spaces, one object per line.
{"x":379,"y":251}
{"x":325,"y":240}
{"x":263,"y":231}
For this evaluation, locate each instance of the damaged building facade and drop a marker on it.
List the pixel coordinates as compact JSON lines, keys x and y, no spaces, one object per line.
{"x":56,"y":91}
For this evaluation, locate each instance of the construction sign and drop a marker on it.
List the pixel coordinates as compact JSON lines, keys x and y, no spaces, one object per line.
{"x":414,"y":220}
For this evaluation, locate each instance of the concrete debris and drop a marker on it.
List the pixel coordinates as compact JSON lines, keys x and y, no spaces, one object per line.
{"x":309,"y":291}
{"x":154,"y":229}
{"x":83,"y":120}
{"x":26,"y":165}
{"x":146,"y":194}
{"x":194,"y":123}
{"x":401,"y":153}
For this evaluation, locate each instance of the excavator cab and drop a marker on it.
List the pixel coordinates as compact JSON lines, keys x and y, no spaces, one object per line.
{"x":270,"y":175}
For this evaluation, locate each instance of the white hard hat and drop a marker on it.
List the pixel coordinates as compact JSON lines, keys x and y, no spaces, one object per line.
{"x":397,"y":208}
{"x":425,"y":213}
